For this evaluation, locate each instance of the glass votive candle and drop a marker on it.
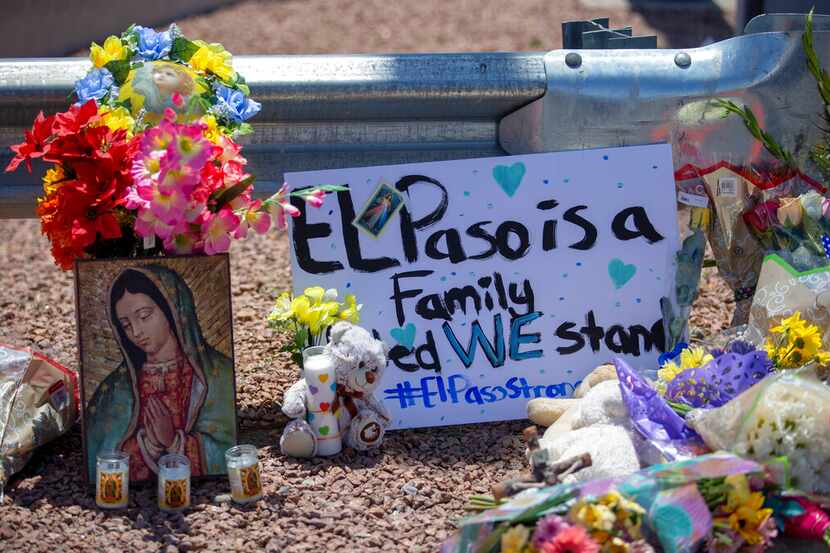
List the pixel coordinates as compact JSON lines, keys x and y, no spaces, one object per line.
{"x":243,"y":473}
{"x":174,"y":483}
{"x":112,"y":480}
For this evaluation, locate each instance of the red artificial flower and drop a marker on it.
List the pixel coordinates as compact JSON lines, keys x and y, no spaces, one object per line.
{"x":71,"y":122}
{"x":87,"y":205}
{"x":35,"y":145}
{"x":761,"y":217}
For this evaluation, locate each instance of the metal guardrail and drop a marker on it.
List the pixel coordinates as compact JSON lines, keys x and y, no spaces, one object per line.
{"x":344,"y":111}
{"x":318,"y":111}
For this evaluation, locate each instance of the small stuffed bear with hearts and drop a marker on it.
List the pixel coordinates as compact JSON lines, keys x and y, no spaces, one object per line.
{"x":359,"y":360}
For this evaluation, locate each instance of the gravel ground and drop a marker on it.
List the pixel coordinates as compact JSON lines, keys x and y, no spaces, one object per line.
{"x":405,"y":497}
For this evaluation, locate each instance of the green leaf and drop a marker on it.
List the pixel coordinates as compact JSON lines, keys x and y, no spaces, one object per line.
{"x":229,"y":194}
{"x":120,"y":70}
{"x":244,"y":128}
{"x":183,"y":49}
{"x":751,"y":123}
{"x":244,"y":89}
{"x":813,"y":63}
{"x":306,"y":192}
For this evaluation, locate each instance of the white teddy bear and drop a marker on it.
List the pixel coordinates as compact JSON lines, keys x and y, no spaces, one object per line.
{"x":360,"y":360}
{"x":595,"y":421}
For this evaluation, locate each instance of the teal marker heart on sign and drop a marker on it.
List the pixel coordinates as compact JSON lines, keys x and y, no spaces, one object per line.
{"x":404,"y":336}
{"x":509,"y":177}
{"x":620,"y":273}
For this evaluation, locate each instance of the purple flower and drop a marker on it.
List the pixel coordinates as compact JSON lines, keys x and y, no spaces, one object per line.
{"x":97,"y":84}
{"x":547,"y":528}
{"x":720,"y":380}
{"x":741,"y":348}
{"x":152,"y":45}
{"x":234,"y":105}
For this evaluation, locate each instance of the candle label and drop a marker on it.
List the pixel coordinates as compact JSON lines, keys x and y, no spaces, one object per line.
{"x":111,"y":487}
{"x":245,"y":482}
{"x":175,"y":494}
{"x":251,"y":484}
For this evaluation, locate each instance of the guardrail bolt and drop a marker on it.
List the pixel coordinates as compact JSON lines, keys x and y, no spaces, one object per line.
{"x":682,"y":59}
{"x":573,"y":60}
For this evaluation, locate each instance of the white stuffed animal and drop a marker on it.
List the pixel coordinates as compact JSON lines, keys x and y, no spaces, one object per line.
{"x":360,"y":360}
{"x":595,"y":421}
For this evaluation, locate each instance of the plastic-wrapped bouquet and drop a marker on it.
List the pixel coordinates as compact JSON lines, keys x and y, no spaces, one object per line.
{"x":146,"y":160}
{"x":718,"y":501}
{"x":787,"y":415}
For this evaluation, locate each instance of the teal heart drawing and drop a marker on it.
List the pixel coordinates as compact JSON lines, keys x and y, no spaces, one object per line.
{"x":509,"y":177}
{"x":620,"y":273}
{"x":404,"y":336}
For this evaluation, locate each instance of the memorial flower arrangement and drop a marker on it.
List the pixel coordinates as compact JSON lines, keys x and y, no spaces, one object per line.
{"x":717,"y":503}
{"x":308,"y":316}
{"x":145,"y":161}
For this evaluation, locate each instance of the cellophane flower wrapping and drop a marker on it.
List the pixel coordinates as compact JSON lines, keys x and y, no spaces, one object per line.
{"x":786,"y":414}
{"x":653,"y":418}
{"x":676,"y":515}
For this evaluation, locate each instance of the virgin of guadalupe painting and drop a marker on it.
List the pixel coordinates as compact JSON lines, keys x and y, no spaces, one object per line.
{"x":167,"y":388}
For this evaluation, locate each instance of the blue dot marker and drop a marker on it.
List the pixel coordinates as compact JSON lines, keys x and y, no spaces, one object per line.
{"x":605,"y":158}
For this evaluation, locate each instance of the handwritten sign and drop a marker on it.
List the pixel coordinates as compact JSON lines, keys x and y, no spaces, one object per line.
{"x":499,"y":279}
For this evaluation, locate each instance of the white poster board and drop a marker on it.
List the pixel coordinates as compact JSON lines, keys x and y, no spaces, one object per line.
{"x":499,"y":279}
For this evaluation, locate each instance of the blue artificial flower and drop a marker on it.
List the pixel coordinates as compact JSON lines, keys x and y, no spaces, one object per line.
{"x":152,"y":45}
{"x":95,"y":85}
{"x":234,"y":105}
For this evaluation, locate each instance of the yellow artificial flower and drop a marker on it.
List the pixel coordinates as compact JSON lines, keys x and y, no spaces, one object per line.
{"x":745,"y":509}
{"x":595,"y":518}
{"x":749,"y":517}
{"x":314,"y":294}
{"x":211,"y":131}
{"x":515,"y":539}
{"x":616,"y":545}
{"x":790,"y":324}
{"x":283,"y":308}
{"x":212,"y":58}
{"x":669,"y":370}
{"x":799,"y":343}
{"x":693,"y":357}
{"x":351,"y":310}
{"x":52,"y":179}
{"x":118,"y":118}
{"x":113,"y":50}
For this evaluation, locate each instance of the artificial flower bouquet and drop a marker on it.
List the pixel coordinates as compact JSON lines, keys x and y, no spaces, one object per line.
{"x":719,"y":502}
{"x":146,"y":162}
{"x":308,"y":317}
{"x":759,"y":400}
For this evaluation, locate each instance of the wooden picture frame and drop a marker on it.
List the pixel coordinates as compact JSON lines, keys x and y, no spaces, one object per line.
{"x":155,"y":348}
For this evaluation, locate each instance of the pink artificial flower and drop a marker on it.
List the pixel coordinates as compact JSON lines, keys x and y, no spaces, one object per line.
{"x":146,"y":224}
{"x":571,"y":540}
{"x":133,"y":199}
{"x":157,"y":139}
{"x":216,"y":230}
{"x":146,"y":168}
{"x":316,"y":199}
{"x":177,"y":99}
{"x":169,"y":208}
{"x":253,"y":218}
{"x":181,"y":243}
